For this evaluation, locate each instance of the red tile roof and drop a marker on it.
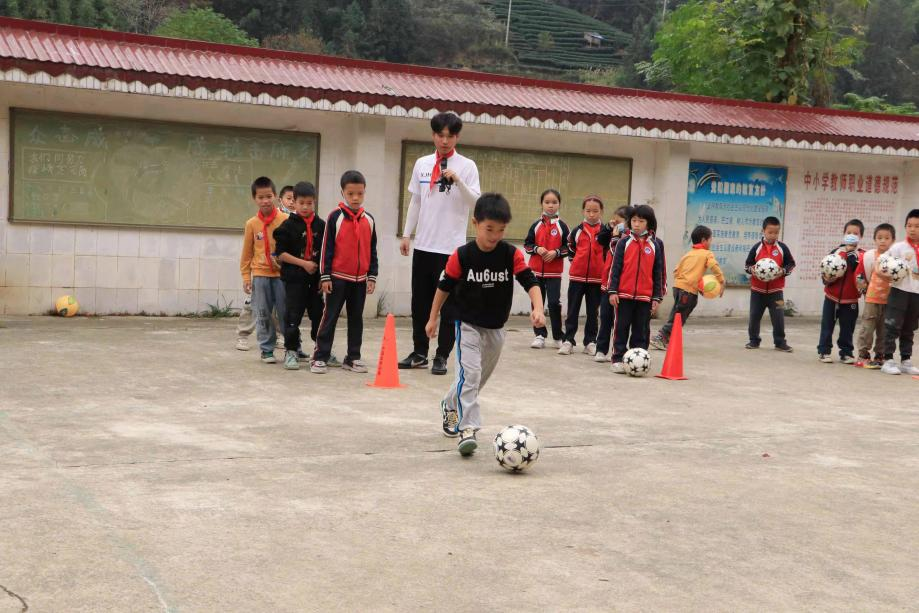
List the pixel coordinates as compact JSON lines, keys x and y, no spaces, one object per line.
{"x":56,"y":49}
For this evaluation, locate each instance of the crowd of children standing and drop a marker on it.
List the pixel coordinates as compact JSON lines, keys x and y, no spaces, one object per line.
{"x":293,"y":264}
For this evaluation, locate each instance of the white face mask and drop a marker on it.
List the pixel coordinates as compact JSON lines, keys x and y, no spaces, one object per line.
{"x":851,"y":239}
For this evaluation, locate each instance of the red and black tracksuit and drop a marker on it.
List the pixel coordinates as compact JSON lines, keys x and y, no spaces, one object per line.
{"x":301,"y":237}
{"x":349,"y":261}
{"x":637,"y":278}
{"x":608,"y":240}
{"x":768,"y":294}
{"x":550,"y":233}
{"x":840,"y":303}
{"x":584,"y":277}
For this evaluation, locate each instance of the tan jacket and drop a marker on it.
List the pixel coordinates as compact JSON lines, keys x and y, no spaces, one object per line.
{"x":253,"y":261}
{"x":692,"y":267}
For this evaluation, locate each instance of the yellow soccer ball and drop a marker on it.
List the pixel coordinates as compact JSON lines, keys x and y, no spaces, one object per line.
{"x":66,"y":306}
{"x":709,"y":286}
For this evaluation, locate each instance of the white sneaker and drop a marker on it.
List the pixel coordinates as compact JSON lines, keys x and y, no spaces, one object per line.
{"x":242,"y":344}
{"x":600,"y":357}
{"x":538,"y":343}
{"x":591,"y":349}
{"x":890,"y":368}
{"x":847,"y":359}
{"x":907,"y":368}
{"x":354,"y":365}
{"x":318,"y":367}
{"x":279,"y":342}
{"x":558,"y":344}
{"x":565,"y":348}
{"x":618,"y":368}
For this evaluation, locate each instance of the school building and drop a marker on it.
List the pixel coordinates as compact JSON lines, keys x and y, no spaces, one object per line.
{"x":129,"y":160}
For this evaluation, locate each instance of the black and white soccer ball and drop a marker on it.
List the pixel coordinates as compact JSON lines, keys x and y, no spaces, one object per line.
{"x":637,"y":362}
{"x":766,"y":270}
{"x":516,"y":448}
{"x":833,"y":267}
{"x":893,"y":266}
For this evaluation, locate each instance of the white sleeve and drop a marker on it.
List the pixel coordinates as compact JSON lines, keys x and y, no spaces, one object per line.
{"x":868,"y":262}
{"x":469,"y":186}
{"x":413,"y":185}
{"x":411,"y":217}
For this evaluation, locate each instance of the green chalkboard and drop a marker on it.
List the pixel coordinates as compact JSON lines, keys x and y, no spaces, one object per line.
{"x":521,"y":176}
{"x":85,"y":169}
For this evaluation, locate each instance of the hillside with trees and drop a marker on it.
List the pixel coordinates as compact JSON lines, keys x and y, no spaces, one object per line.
{"x":860,"y":54}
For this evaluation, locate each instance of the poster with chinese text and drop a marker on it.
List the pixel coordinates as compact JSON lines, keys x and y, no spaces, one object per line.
{"x":733,"y":200}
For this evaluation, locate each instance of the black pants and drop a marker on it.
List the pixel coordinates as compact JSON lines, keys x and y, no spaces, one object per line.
{"x":775,"y":302}
{"x":578,"y":291}
{"x":351,"y":295}
{"x":847,"y":315}
{"x":901,"y":318}
{"x":607,"y":320}
{"x":551,"y":287}
{"x":633,"y":321}
{"x":683,"y":303}
{"x":426,"y":269}
{"x":302,"y":297}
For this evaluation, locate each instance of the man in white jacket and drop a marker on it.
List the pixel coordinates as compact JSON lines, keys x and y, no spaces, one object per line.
{"x":901,"y":316}
{"x":444,"y":188}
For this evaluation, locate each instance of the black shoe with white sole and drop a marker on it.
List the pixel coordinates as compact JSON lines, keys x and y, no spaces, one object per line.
{"x":450,"y":419}
{"x":413,"y":360}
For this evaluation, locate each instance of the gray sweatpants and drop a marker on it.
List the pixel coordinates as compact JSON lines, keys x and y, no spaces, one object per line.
{"x":477,"y":353}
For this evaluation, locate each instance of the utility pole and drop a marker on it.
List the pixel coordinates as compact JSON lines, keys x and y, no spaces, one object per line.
{"x":507,"y":29}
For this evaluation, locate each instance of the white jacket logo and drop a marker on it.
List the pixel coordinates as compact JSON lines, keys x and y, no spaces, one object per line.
{"x":487,"y":276}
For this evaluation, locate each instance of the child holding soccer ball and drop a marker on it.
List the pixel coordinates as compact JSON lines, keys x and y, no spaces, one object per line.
{"x":876,"y":287}
{"x":901,"y":316}
{"x":840,"y":302}
{"x":480,"y":275}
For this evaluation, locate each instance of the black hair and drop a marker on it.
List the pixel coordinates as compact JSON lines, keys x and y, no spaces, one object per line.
{"x":699,"y":234}
{"x":914,"y":214}
{"x":857,"y":223}
{"x":771,"y":221}
{"x":451,"y":121}
{"x":304,"y":189}
{"x":624,"y":211}
{"x":592,"y":198}
{"x":284,"y":190}
{"x":352,"y":176}
{"x":492,"y":206}
{"x":261,"y":183}
{"x":886,"y":226}
{"x":551,"y":191}
{"x":644,"y":211}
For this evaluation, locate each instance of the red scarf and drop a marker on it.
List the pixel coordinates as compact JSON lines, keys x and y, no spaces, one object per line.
{"x":435,"y":173}
{"x":308,"y":254}
{"x":698,"y":246}
{"x":351,"y":213}
{"x":266,"y":221}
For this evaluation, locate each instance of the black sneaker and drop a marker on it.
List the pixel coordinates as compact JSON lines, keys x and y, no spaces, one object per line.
{"x":413,"y":360}
{"x":467,"y":443}
{"x":752,"y":345}
{"x":450,"y":419}
{"x":440,"y":365}
{"x":784,"y":347}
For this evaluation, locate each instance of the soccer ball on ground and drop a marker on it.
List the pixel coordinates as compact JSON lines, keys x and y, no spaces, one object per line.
{"x":892,"y":266}
{"x":516,"y":448}
{"x":766,"y":270}
{"x":709,"y":286}
{"x":637,"y":362}
{"x":833,"y":267}
{"x":66,"y":306}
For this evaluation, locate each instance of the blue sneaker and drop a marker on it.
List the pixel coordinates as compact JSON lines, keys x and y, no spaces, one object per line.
{"x":268,"y":357}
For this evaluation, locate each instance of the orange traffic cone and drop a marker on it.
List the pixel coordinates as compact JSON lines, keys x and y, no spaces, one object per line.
{"x":673,"y":361}
{"x":388,"y":366}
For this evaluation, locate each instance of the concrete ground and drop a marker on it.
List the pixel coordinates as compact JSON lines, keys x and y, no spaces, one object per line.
{"x":146,"y":465}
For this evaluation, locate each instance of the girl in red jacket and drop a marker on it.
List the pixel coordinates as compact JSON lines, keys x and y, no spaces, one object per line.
{"x":584,"y":276}
{"x":547,"y":244}
{"x":635,"y":287}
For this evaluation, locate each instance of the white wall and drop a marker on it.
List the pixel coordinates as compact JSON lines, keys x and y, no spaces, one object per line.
{"x":115,"y":270}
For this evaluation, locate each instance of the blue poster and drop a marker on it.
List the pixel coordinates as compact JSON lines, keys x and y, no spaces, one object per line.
{"x":733,"y":200}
